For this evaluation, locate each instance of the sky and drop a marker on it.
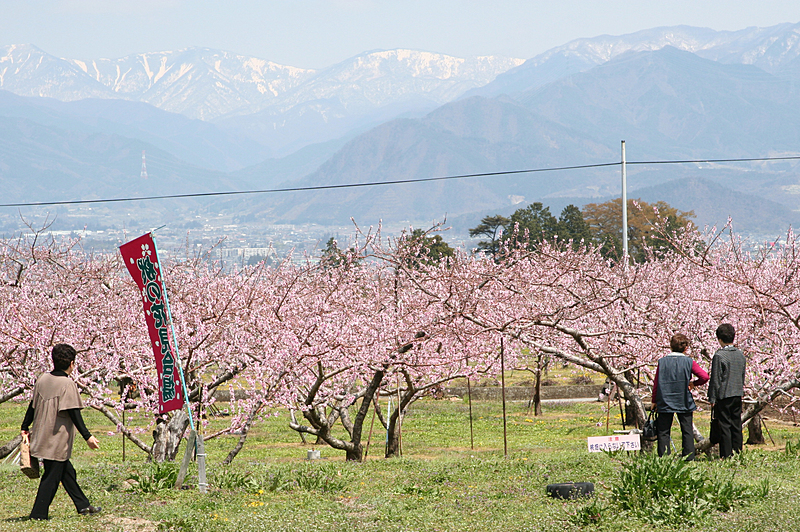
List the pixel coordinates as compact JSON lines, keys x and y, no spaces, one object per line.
{"x":320,"y":33}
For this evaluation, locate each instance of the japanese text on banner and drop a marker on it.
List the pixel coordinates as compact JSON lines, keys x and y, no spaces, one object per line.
{"x":142,"y":263}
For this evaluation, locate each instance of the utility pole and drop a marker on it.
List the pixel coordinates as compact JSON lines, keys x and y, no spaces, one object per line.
{"x":624,"y":207}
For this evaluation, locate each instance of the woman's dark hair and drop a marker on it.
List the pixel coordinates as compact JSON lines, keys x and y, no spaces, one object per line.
{"x":63,"y":356}
{"x":726,"y":333}
{"x":678,"y":343}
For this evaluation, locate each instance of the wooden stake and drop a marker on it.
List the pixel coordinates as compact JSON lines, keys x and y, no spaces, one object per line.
{"x":200,"y":447}
{"x":399,"y":418}
{"x":503,"y":389}
{"x":608,"y":407}
{"x":469,"y":398}
{"x":187,"y":457}
{"x":371,"y":425}
{"x":764,"y":423}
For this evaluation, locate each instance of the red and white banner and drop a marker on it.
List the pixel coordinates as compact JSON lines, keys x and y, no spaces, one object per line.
{"x":142,"y":263}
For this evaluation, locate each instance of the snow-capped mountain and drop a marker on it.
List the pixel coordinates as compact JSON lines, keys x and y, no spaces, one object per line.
{"x":378,"y":78}
{"x":361,"y":92}
{"x":197,"y":82}
{"x":206,"y":84}
{"x":769,"y":48}
{"x":775,"y":49}
{"x":28,"y":71}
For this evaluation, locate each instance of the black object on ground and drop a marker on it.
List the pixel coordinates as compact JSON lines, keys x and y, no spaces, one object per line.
{"x":570,"y":490}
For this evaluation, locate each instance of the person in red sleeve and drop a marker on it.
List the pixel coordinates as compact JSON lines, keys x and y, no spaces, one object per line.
{"x":672,"y":395}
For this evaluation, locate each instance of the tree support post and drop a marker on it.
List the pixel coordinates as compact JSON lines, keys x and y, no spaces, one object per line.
{"x":503,"y":389}
{"x":187,"y":457}
{"x":469,"y":398}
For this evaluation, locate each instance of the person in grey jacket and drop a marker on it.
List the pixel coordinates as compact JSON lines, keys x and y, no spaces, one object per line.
{"x":672,"y":395}
{"x":725,"y":391}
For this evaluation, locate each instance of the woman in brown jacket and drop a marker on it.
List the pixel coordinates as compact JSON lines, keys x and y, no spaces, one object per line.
{"x":55,"y":411}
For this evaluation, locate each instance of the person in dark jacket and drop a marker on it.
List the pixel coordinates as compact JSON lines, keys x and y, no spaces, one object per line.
{"x":672,"y":395}
{"x":55,"y":411}
{"x":726,"y":389}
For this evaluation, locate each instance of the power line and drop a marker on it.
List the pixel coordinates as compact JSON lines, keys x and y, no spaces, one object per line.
{"x":394,"y":182}
{"x":698,"y":161}
{"x":310,"y":188}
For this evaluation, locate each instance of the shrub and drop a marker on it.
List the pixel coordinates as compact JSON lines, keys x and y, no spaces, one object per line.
{"x":590,"y":513}
{"x":674,"y":491}
{"x":154,"y":477}
{"x":278,"y":481}
{"x":227,"y":479}
{"x":792,"y":450}
{"x":319,"y":478}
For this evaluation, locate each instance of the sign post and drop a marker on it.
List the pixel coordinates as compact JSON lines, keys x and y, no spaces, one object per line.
{"x":141,"y":260}
{"x":622,"y":442}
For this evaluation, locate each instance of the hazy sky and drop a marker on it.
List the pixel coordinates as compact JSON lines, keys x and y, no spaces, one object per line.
{"x":318,"y":33}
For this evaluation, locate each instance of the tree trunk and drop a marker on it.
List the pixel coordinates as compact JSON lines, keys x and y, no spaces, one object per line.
{"x":243,"y":436}
{"x":355,"y":454}
{"x":8,"y":448}
{"x":321,"y":423}
{"x":167,"y":437}
{"x":630,"y":415}
{"x":639,"y":414}
{"x":754,"y":434}
{"x":537,"y":387}
{"x":393,"y":439}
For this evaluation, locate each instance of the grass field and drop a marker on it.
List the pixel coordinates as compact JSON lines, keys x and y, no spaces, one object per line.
{"x":440,"y":483}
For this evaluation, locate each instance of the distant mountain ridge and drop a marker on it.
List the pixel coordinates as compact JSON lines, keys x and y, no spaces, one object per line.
{"x":197,"y":82}
{"x":282,"y":107}
{"x":671,"y":93}
{"x":206,"y":84}
{"x":201,"y":143}
{"x":667,"y":104}
{"x":774,"y":49}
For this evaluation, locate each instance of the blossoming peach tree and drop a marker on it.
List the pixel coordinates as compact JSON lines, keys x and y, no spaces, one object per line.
{"x":328,"y":340}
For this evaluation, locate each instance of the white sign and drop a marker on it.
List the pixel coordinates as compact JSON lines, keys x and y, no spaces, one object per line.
{"x":625,"y":442}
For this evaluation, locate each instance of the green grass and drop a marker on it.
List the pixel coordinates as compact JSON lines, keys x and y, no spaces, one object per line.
{"x":440,"y":483}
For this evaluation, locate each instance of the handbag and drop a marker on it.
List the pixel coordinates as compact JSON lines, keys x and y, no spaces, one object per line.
{"x":714,"y":431}
{"x":27,"y":464}
{"x":649,"y":431}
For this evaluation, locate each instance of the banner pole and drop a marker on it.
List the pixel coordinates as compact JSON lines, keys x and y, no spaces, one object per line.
{"x":199,"y":446}
{"x":174,"y":338}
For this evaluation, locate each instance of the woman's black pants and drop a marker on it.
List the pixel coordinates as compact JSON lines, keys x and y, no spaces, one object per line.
{"x":54,"y":473}
{"x":664,"y":427}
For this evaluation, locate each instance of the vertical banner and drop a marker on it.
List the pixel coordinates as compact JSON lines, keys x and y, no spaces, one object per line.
{"x":142,"y":263}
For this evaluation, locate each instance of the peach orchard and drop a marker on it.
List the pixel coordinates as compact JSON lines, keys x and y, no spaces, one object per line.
{"x":325,"y":339}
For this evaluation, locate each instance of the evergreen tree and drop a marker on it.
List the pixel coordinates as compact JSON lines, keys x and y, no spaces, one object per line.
{"x":572,"y":226}
{"x":433,"y":248}
{"x":493,"y":228}
{"x":534,"y":224}
{"x":333,"y":256}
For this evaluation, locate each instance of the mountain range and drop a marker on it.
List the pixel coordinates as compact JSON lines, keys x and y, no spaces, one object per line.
{"x":280,"y":102}
{"x":212,"y":120}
